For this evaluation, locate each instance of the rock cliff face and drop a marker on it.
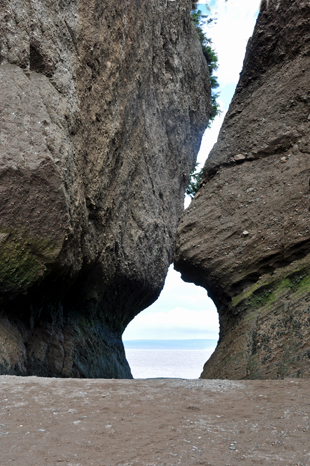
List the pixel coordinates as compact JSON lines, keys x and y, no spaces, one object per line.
{"x":246,"y":235}
{"x":102,"y":109}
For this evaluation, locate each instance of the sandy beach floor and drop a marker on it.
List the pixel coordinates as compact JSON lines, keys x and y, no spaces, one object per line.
{"x":153,"y":422}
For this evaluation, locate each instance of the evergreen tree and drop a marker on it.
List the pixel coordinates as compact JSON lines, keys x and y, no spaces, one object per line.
{"x":200,"y":21}
{"x":210,"y":55}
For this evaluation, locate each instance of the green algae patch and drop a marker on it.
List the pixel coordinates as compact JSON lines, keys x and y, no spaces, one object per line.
{"x":24,"y":260}
{"x":254,"y":299}
{"x":291,"y":281}
{"x":256,"y":295}
{"x":298,"y":284}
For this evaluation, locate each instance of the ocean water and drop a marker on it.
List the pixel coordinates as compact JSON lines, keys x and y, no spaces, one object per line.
{"x":175,"y":363}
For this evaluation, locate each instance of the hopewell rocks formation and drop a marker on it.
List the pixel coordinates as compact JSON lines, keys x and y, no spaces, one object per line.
{"x":246,"y":235}
{"x":102,"y":109}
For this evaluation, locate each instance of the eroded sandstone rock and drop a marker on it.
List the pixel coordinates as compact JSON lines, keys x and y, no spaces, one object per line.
{"x":246,"y":235}
{"x":102,"y":109}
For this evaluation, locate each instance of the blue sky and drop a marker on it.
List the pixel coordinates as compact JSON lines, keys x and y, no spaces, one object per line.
{"x":183,"y":310}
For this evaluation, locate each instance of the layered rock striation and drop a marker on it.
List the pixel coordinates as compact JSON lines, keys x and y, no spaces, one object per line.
{"x":246,"y":235}
{"x":102,"y":109}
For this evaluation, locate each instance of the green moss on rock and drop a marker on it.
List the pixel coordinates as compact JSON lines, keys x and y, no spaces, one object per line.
{"x":24,"y":259}
{"x":291,"y":281}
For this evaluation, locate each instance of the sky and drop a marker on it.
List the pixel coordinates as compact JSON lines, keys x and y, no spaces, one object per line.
{"x":183,"y":310}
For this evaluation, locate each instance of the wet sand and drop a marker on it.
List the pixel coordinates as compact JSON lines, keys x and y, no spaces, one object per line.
{"x":154,"y":422}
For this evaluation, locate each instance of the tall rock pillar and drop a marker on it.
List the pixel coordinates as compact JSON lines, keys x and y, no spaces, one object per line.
{"x":102,"y":109}
{"x":246,"y":235}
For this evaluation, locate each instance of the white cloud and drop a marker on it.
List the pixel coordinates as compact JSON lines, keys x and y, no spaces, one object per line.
{"x":179,"y":323}
{"x":183,"y":311}
{"x":177,"y":293}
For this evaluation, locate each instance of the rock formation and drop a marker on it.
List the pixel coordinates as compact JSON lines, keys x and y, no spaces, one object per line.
{"x":246,"y":235}
{"x":102,"y":109}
